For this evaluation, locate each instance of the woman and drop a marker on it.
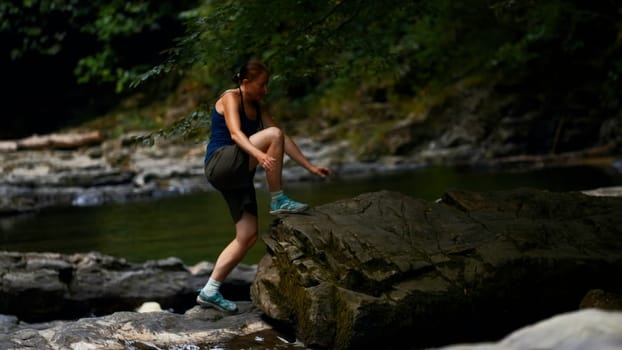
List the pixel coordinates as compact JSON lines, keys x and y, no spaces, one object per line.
{"x":245,"y":136}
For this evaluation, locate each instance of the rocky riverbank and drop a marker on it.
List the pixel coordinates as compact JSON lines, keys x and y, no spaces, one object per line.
{"x":85,"y":169}
{"x":38,"y":174}
{"x":492,"y":124}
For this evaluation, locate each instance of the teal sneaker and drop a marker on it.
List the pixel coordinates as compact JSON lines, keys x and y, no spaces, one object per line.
{"x":216,"y":301}
{"x":284,"y":204}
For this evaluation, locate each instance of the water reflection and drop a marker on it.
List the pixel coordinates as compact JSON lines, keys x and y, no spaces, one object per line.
{"x":266,"y":339}
{"x":195,"y":227}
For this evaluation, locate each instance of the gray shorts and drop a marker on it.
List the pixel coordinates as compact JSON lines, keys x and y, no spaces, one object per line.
{"x":227,"y":170}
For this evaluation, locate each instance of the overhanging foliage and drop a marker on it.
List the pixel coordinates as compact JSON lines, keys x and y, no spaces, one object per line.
{"x":323,"y":47}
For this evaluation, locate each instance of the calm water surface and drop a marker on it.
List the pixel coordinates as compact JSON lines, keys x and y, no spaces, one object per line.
{"x":197,"y":226}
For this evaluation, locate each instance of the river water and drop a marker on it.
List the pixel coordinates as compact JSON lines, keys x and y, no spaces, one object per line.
{"x":195,"y":227}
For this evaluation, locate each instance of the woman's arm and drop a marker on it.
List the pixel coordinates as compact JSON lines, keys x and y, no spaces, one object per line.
{"x":230,"y":104}
{"x":294,"y":152}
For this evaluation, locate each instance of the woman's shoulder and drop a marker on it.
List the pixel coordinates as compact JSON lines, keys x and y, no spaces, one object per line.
{"x":228,"y":95}
{"x":232,"y":95}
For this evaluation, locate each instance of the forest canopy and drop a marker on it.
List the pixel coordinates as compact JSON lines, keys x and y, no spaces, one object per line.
{"x":68,"y":60}
{"x":408,"y":43}
{"x":569,"y":51}
{"x":319,"y":49}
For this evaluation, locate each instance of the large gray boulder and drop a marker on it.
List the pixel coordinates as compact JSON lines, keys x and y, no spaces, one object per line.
{"x":584,"y":329}
{"x":384,"y":267}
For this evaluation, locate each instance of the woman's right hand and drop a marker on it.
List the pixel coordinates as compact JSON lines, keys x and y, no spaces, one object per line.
{"x":267,"y":162}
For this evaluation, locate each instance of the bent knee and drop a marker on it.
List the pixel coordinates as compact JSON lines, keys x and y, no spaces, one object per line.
{"x":274,"y":132}
{"x":267,"y":137}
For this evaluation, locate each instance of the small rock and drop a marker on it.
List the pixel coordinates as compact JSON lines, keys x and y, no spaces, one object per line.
{"x":149,"y":306}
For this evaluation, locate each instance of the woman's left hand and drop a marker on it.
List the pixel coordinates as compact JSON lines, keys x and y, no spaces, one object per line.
{"x":321,"y":171}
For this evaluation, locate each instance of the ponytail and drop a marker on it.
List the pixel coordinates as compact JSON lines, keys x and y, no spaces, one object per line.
{"x":250,"y":70}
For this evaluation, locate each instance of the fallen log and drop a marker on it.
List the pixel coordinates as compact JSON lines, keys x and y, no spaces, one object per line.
{"x":60,"y":141}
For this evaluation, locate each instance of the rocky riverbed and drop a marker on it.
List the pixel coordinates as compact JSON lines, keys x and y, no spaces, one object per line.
{"x":381,"y":269}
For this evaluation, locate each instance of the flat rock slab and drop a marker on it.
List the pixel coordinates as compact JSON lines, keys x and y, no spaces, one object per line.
{"x":198,"y":328}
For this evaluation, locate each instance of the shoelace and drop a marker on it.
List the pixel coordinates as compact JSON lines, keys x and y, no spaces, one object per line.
{"x":289,"y":204}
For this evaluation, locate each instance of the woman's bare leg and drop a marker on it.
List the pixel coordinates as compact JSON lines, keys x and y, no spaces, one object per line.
{"x":272,"y":141}
{"x":230,"y":257}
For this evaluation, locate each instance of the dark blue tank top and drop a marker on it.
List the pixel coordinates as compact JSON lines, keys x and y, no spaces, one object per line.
{"x":220,"y":135}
